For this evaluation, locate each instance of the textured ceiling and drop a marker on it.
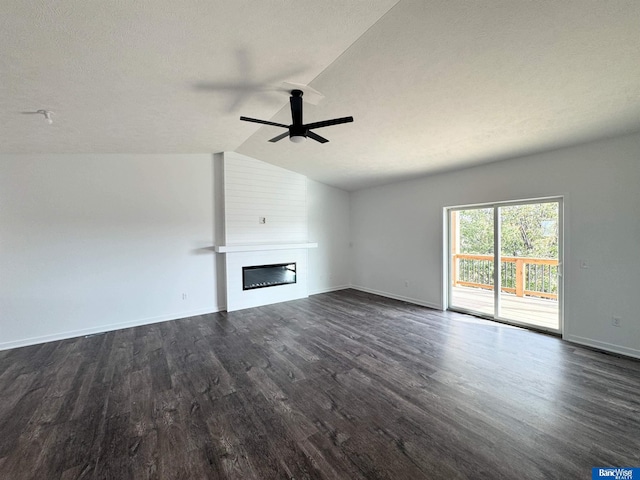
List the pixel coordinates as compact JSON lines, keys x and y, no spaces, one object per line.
{"x":433,"y":85}
{"x":161,"y":76}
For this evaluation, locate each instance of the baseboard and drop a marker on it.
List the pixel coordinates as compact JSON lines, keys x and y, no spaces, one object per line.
{"x":605,"y":346}
{"x":330,"y":289}
{"x":103,"y":328}
{"x":415,"y":301}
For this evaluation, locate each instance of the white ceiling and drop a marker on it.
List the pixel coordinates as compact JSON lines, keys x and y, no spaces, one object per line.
{"x":433,"y":85}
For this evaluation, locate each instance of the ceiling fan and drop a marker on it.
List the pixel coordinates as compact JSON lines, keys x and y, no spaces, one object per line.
{"x":298,"y":131}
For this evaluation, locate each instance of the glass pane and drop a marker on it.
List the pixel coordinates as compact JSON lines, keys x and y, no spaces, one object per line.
{"x":472,"y":260}
{"x":529,"y":264}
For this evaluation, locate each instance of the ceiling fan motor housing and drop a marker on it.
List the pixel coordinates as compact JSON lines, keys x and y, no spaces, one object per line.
{"x":297,"y":130}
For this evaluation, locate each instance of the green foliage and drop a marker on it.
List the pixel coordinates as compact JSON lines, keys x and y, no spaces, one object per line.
{"x":526,"y":230}
{"x":476,"y":231}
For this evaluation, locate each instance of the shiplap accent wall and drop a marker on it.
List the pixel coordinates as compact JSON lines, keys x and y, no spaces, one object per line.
{"x":255,"y":189}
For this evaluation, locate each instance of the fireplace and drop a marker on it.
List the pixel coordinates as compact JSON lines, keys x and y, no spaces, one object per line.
{"x":262,"y":276}
{"x":245,"y":285}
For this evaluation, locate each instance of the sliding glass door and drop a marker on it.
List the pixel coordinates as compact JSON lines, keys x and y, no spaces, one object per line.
{"x":472,"y":260}
{"x":505,"y":262}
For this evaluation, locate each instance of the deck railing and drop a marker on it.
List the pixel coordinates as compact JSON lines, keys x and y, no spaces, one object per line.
{"x":536,"y":277}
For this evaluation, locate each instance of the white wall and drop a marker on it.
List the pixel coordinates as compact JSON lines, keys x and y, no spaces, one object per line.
{"x":90,"y":243}
{"x":329,"y":225}
{"x":397,"y":232}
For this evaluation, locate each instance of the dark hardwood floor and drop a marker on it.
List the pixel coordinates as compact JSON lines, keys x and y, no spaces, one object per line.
{"x":343,"y":385}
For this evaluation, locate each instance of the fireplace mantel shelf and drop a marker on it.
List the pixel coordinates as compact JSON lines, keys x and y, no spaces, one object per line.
{"x":262,"y":247}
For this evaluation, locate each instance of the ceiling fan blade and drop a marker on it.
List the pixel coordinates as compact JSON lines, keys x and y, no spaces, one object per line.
{"x":317,"y":137}
{"x":327,"y":123}
{"x":242,"y":87}
{"x":264,"y":122}
{"x":279,"y":137}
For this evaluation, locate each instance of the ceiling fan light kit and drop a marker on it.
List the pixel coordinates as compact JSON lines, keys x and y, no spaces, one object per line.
{"x":299,"y":131}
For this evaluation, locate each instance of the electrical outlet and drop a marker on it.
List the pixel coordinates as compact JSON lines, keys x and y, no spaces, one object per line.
{"x":184,"y":296}
{"x":616,"y":321}
{"x":406,"y":283}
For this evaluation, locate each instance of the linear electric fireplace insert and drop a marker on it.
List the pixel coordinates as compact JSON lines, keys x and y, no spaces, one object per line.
{"x":261,"y":276}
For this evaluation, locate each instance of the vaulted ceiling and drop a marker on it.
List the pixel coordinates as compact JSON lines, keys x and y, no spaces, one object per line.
{"x":433,"y":85}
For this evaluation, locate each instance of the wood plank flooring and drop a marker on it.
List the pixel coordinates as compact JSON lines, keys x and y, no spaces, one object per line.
{"x":344,"y":385}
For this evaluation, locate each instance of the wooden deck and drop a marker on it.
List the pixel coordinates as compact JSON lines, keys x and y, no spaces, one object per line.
{"x":537,"y":312}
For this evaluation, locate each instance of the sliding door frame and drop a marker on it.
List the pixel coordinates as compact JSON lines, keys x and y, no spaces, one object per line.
{"x":497,"y":287}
